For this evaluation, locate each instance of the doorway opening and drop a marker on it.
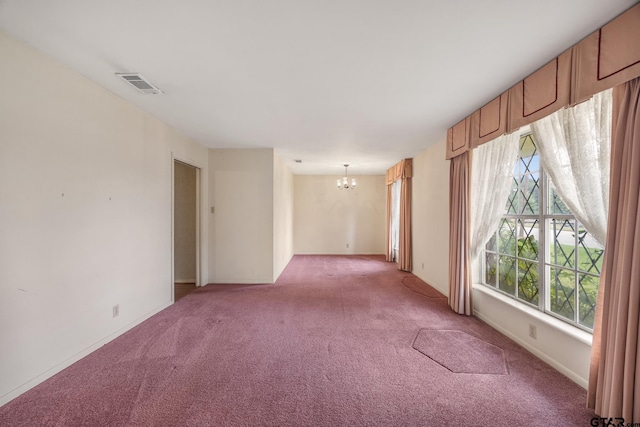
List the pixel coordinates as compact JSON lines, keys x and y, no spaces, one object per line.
{"x":186,"y":230}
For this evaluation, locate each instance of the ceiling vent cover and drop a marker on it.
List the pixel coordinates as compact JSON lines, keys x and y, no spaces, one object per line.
{"x":140,"y":83}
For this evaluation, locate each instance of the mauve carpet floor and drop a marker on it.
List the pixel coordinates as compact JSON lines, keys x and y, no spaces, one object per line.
{"x":330,"y":344}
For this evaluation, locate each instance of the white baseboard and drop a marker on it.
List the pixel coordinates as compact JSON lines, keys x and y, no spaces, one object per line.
{"x":539,"y":354}
{"x":6,"y":398}
{"x":239,"y":282}
{"x":339,"y":253}
{"x":184,"y":281}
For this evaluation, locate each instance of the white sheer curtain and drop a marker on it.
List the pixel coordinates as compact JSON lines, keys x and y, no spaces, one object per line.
{"x":491,"y":178}
{"x":575,"y":148}
{"x":395,"y":217}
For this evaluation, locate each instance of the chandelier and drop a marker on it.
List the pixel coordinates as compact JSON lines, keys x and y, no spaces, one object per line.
{"x":344,"y":182}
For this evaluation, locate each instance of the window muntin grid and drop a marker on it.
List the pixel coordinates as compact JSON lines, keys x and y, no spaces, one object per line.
{"x":541,"y":255}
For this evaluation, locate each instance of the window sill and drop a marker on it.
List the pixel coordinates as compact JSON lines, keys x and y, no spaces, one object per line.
{"x":576,"y":333}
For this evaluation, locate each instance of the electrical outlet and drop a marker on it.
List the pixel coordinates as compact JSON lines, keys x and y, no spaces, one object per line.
{"x":533,"y":331}
{"x":116,"y":310}
{"x":347,"y":245}
{"x":423,"y":265}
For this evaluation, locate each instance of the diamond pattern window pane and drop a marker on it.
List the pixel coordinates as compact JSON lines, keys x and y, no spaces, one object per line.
{"x":529,"y":194}
{"x":562,"y":292}
{"x":590,"y":253}
{"x":587,"y":294}
{"x":507,"y":274}
{"x":491,"y":269}
{"x":528,"y":281}
{"x":528,"y":232}
{"x":507,"y":236}
{"x":512,"y":201}
{"x":528,"y":154}
{"x":525,"y":191}
{"x":492,"y":244}
{"x":556,"y":205}
{"x":561,"y":239}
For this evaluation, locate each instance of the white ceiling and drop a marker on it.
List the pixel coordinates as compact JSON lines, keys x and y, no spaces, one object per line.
{"x":364,"y":82}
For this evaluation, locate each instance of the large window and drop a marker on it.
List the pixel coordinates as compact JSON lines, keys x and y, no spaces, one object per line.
{"x":395,"y":218}
{"x":540,"y":254}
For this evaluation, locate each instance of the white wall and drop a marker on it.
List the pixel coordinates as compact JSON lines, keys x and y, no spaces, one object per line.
{"x":430,"y":217}
{"x":85,"y":215}
{"x":327,"y":219}
{"x":282,"y":216}
{"x":563,"y":346}
{"x":241,"y":229}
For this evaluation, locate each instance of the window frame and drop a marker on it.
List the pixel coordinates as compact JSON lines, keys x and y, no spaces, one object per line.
{"x":543,"y":261}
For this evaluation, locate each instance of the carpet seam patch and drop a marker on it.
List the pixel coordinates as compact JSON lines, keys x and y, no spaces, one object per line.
{"x":503,"y":357}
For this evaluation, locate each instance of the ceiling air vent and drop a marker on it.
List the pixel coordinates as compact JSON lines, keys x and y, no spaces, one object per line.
{"x":140,"y":83}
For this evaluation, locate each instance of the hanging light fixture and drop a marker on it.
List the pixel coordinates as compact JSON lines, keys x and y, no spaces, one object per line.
{"x":344,"y":182}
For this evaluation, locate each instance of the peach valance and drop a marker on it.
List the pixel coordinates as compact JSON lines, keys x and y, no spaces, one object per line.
{"x":606,"y":58}
{"x":402,"y":169}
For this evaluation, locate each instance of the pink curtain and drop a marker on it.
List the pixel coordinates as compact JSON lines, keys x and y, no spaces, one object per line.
{"x":404,"y":255}
{"x":459,"y":248}
{"x":614,"y":380}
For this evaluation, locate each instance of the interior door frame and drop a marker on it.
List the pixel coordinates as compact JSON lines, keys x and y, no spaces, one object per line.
{"x":199,"y":238}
